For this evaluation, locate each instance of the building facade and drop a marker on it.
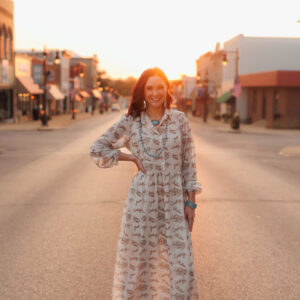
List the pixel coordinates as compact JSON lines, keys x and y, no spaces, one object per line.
{"x":209,"y":77}
{"x":60,"y":77}
{"x":88,"y":89}
{"x":273,"y":96}
{"x":28,"y":93}
{"x":252,"y":55}
{"x":7,"y":103}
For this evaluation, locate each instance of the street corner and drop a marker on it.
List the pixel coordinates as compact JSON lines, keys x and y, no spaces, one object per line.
{"x":290,"y":151}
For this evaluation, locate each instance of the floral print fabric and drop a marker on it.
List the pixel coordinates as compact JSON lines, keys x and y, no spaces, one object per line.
{"x":154,"y":256}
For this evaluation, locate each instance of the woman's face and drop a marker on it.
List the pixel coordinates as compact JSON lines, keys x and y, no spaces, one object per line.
{"x":155,"y":91}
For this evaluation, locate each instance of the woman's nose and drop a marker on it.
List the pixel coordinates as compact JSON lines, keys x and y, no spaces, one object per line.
{"x":155,"y":92}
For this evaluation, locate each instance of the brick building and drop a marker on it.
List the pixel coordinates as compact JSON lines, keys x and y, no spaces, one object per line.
{"x":7,"y":110}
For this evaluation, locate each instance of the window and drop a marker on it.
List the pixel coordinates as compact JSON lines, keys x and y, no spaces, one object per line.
{"x":1,"y":36}
{"x":9,"y":46}
{"x":276,"y":105}
{"x":3,"y":43}
{"x":254,"y":100}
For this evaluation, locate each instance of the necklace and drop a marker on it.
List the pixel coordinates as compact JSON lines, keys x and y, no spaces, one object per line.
{"x":154,"y":122}
{"x":164,"y":142}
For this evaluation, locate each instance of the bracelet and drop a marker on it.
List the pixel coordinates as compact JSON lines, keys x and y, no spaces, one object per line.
{"x":190,"y":203}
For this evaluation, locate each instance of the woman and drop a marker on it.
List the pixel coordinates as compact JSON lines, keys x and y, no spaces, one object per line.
{"x":154,"y":256}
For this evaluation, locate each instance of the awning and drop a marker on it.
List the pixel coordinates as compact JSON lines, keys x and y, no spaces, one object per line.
{"x":84,"y":94}
{"x":96,"y":94}
{"x":78,"y":98}
{"x":26,"y":84}
{"x":224,"y":98}
{"x":55,"y":92}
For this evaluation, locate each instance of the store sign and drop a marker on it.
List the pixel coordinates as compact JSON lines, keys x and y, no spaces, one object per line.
{"x":23,"y":67}
{"x":4,"y":76}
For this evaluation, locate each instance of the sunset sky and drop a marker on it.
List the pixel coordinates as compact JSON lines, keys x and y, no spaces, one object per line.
{"x":131,"y":35}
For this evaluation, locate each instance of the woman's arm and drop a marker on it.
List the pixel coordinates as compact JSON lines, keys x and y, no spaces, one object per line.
{"x":104,"y":151}
{"x":189,"y":170}
{"x":131,"y":157}
{"x":191,"y":196}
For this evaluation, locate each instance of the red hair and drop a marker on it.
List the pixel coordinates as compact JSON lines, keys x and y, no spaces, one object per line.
{"x":138,"y":96}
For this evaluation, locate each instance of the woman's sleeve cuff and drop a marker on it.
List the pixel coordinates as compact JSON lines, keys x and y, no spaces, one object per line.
{"x":107,"y":161}
{"x":193,"y":186}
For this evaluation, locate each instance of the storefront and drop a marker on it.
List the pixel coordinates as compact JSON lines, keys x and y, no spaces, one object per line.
{"x":86,"y":98}
{"x":29,"y":99}
{"x":273,"y":97}
{"x":7,"y":104}
{"x":55,"y":100}
{"x":227,"y":105}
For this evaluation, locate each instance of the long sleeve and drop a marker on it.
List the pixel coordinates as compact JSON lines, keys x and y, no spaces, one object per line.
{"x":189,"y":169}
{"x":105,"y":150}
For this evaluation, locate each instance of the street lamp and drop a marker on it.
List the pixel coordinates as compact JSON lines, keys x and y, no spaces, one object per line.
{"x":237,"y":87}
{"x":225,"y":62}
{"x":44,"y":117}
{"x":78,"y":73}
{"x":203,"y":99}
{"x":205,"y":96}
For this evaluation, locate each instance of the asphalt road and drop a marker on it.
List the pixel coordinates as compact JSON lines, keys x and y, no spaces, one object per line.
{"x":60,"y":215}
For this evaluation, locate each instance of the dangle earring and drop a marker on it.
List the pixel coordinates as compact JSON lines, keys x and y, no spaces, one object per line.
{"x":145,"y":104}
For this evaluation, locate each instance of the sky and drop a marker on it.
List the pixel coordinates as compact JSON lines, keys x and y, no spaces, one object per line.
{"x":130,"y":36}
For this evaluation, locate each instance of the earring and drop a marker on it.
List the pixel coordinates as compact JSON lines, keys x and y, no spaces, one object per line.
{"x":145,"y":104}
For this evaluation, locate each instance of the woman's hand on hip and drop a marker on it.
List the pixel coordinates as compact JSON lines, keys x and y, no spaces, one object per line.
{"x":139,"y":164}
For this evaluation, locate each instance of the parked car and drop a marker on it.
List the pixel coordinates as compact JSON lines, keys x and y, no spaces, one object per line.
{"x":115,"y":107}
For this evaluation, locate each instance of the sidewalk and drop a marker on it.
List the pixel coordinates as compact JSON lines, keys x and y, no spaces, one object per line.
{"x":257,"y":128}
{"x":57,"y":122}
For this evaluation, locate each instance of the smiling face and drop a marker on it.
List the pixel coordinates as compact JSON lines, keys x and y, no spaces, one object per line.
{"x":155,"y":91}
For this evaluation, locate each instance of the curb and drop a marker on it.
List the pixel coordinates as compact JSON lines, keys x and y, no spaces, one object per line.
{"x":291,"y":151}
{"x":245,"y":129}
{"x":229,"y":131}
{"x":50,"y":128}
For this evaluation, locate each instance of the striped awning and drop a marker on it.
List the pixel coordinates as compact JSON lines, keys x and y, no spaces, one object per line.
{"x":84,"y":94}
{"x":26,"y":84}
{"x":55,"y":92}
{"x":96,"y":94}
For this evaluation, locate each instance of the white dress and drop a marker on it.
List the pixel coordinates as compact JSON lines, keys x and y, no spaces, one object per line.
{"x":154,"y":256}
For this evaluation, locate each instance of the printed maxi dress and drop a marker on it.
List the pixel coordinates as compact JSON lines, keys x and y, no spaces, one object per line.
{"x":154,"y":257}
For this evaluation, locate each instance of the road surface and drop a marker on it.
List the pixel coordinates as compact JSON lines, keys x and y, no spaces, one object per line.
{"x":60,"y":215}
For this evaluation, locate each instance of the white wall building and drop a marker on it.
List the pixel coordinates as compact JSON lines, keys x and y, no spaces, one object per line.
{"x":189,"y":84}
{"x":255,"y":55}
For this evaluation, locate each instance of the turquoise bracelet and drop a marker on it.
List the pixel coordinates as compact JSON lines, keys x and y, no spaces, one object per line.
{"x":191,"y":204}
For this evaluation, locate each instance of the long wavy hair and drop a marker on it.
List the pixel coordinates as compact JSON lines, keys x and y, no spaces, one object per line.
{"x":137,"y":100}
